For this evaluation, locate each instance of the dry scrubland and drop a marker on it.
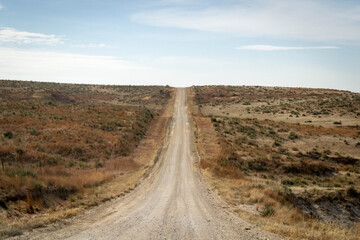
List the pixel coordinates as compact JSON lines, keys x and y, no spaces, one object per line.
{"x":66,"y":147}
{"x":287,"y":159}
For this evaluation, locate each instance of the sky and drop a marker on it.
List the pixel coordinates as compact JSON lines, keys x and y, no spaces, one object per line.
{"x":292,"y":43}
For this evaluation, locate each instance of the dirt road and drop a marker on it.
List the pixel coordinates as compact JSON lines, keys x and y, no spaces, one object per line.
{"x":173,"y":202}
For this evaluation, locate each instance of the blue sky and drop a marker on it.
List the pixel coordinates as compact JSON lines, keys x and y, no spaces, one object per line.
{"x":308,"y":43}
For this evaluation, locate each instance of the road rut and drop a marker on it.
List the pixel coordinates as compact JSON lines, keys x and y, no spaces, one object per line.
{"x":173,"y":202}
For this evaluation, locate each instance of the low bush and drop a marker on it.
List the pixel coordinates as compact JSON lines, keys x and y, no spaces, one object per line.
{"x":8,"y":135}
{"x":276,"y":143}
{"x":267,"y":211}
{"x":293,"y":136}
{"x":352,"y":192}
{"x":20,"y":173}
{"x":318,"y":168}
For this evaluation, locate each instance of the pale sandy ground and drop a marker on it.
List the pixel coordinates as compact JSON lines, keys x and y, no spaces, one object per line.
{"x":173,"y":202}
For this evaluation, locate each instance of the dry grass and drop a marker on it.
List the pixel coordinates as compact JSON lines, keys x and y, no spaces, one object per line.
{"x":271,"y":170}
{"x":74,"y":146}
{"x":319,"y":107}
{"x":77,"y":203}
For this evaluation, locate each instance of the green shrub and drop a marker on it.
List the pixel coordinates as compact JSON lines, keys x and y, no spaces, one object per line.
{"x":351,"y":191}
{"x":258,"y":165}
{"x":20,"y":151}
{"x":267,"y":211}
{"x":24,"y":173}
{"x":276,"y":143}
{"x":71,"y":163}
{"x":98,"y":164}
{"x":293,"y":136}
{"x":10,"y":233}
{"x":288,"y":182}
{"x":8,"y":135}
{"x":52,"y":161}
{"x":78,"y":151}
{"x":272,"y":132}
{"x":34,"y":132}
{"x":317,"y":168}
{"x":38,"y":185}
{"x":223,"y":162}
{"x":251,"y":132}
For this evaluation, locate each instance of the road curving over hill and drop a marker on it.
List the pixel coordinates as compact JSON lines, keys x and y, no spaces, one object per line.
{"x":172,"y":202}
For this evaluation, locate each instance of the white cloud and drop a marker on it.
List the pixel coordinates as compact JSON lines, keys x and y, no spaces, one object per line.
{"x":290,"y":19}
{"x":76,"y":68}
{"x":11,"y":35}
{"x":1,"y":7}
{"x":276,"y":48}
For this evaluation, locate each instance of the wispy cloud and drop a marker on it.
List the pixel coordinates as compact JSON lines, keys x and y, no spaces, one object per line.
{"x":11,"y":35}
{"x":283,"y":19}
{"x":1,"y":7}
{"x":281,"y":48}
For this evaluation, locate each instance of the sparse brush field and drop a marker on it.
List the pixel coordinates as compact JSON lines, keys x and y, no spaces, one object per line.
{"x":61,"y":144}
{"x":287,"y":159}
